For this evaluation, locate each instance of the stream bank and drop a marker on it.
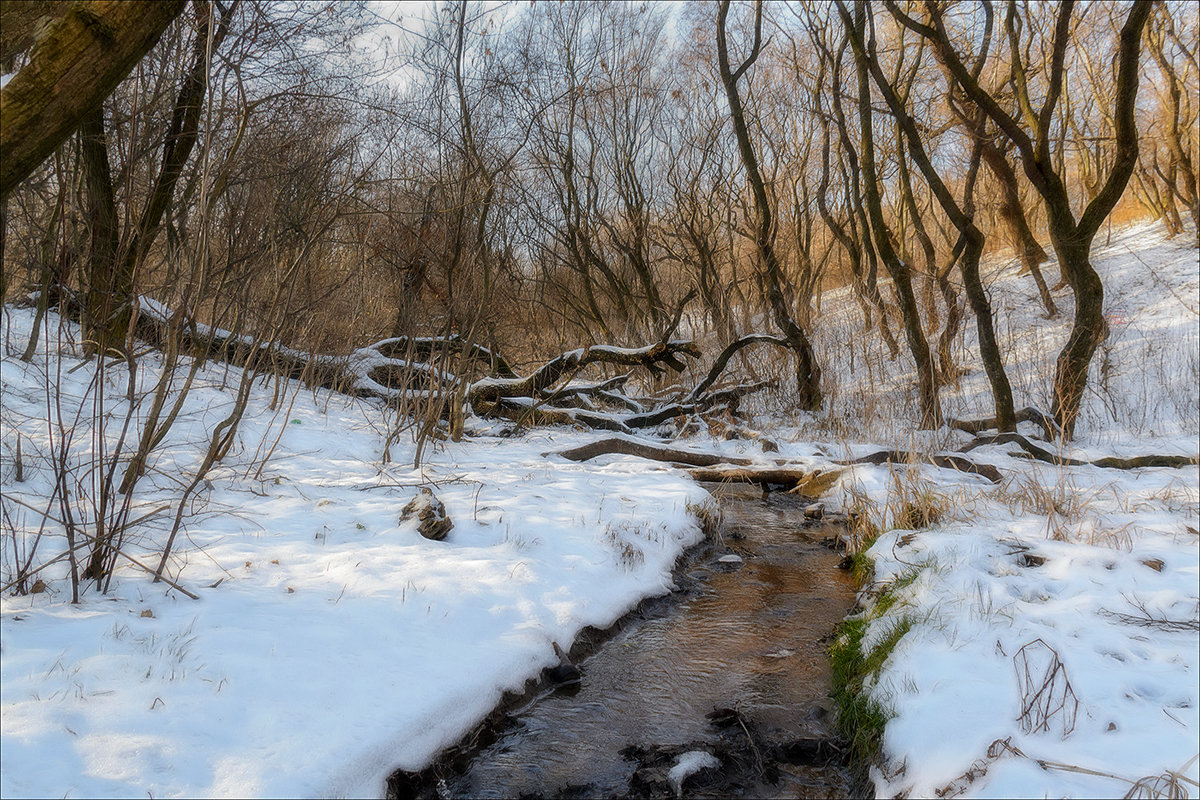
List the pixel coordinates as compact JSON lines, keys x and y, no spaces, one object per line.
{"x":733,"y":664}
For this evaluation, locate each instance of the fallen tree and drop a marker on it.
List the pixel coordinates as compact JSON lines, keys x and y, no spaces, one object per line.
{"x":453,"y":376}
{"x":803,"y":478}
{"x":1036,"y":452}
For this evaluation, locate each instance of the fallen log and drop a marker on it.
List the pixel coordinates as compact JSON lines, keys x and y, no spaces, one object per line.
{"x":1109,"y":462}
{"x":952,"y":462}
{"x":398,"y":371}
{"x":804,"y":481}
{"x":713,"y":467}
{"x":974,"y":427}
{"x":617,"y":445}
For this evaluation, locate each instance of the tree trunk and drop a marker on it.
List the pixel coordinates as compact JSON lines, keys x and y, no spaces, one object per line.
{"x":808,"y":373}
{"x":107,"y":290}
{"x":1020,"y":236}
{"x":75,"y":65}
{"x":918,"y":345}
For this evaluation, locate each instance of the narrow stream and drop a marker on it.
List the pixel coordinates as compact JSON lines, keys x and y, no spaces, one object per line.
{"x":733,"y":665}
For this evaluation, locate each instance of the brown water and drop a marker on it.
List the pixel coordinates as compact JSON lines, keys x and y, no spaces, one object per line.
{"x":746,"y":640}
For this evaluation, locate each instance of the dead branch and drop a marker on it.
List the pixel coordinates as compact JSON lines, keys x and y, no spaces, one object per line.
{"x":730,"y":350}
{"x":1110,"y":462}
{"x":956,"y":463}
{"x":528,"y":413}
{"x":654,"y":358}
{"x":425,"y":348}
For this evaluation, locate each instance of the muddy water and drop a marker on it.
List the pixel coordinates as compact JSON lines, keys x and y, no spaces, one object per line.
{"x":734,"y":664}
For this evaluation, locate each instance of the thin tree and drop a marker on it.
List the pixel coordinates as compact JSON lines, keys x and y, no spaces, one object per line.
{"x":971,"y":239}
{"x":808,"y":373}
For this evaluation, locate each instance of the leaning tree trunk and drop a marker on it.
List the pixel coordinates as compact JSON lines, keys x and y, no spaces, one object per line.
{"x":918,"y":345}
{"x":76,"y":64}
{"x":1031,"y":254}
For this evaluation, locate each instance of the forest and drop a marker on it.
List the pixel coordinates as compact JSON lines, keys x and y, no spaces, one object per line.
{"x":556,"y":275}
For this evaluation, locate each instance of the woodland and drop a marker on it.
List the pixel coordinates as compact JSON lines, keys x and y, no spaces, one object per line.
{"x":795,"y":227}
{"x":478,"y":192}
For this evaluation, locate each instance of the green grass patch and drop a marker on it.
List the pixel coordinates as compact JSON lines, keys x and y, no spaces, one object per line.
{"x":862,"y":718}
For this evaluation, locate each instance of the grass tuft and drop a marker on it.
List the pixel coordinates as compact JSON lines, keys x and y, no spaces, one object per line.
{"x":862,"y":715}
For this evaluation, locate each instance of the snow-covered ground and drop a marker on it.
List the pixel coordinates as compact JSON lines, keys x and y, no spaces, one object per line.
{"x":332,"y":644}
{"x":1069,"y":593}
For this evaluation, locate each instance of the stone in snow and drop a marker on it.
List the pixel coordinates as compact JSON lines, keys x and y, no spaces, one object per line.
{"x":433,"y":521}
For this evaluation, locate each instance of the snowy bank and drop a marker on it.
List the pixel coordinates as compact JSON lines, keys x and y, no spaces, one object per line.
{"x":1053,"y":620}
{"x":330,"y":644}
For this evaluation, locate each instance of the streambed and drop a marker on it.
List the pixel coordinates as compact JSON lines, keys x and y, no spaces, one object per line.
{"x":733,"y":665}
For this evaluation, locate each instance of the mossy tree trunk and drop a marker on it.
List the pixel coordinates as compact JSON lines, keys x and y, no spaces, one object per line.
{"x":75,"y":64}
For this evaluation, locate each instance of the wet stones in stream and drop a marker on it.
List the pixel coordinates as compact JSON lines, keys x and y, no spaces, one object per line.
{"x":738,"y":764}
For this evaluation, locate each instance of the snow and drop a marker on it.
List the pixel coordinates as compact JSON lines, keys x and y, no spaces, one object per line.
{"x":1099,"y":568}
{"x":689,"y":764}
{"x":333,"y":644}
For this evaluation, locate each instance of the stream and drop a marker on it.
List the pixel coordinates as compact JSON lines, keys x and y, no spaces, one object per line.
{"x":732,"y":665}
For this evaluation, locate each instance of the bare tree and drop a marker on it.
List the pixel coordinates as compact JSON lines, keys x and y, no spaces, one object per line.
{"x":1033,"y":135}
{"x":808,"y":373}
{"x":971,"y":239}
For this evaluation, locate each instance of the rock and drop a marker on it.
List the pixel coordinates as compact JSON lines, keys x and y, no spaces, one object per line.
{"x":564,"y":673}
{"x":434,"y":523}
{"x":814,"y":511}
{"x":1029,"y":560}
{"x":728,"y":563}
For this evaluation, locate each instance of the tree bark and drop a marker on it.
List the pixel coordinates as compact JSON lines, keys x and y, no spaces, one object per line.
{"x":808,"y":373}
{"x":74,"y":66}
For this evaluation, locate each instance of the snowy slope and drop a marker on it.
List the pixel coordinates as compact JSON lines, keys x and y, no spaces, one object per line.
{"x":1094,"y":570}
